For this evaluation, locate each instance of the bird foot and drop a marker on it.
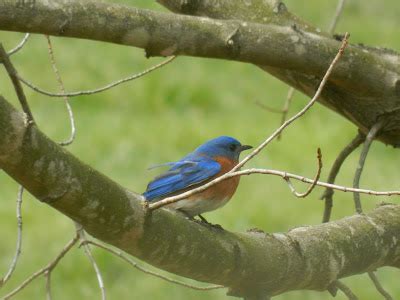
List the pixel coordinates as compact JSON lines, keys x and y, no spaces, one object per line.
{"x":203,"y":221}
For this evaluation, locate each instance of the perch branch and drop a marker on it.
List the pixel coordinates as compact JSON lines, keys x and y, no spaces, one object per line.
{"x":268,"y":262}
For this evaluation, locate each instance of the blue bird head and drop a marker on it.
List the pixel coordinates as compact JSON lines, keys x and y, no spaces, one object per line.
{"x":225,"y":146}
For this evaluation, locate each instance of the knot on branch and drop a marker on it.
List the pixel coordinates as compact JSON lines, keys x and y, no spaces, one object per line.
{"x":63,"y":27}
{"x":232,"y":39}
{"x":280,"y":7}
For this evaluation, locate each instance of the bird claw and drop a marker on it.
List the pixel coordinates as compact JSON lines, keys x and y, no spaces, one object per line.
{"x":216,"y":226}
{"x":203,"y":222}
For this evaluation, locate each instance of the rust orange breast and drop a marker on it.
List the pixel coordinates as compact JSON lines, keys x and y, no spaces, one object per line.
{"x":225,"y":189}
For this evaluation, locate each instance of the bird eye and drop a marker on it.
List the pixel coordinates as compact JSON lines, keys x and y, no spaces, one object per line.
{"x":232,"y":147}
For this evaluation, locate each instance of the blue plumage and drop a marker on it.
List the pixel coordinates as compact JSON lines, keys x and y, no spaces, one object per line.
{"x":182,"y":174}
{"x":196,"y":168}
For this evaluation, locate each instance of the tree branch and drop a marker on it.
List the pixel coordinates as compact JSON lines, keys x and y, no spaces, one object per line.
{"x":253,"y":263}
{"x":12,"y":73}
{"x":346,"y":290}
{"x":361,"y":162}
{"x":364,"y":86}
{"x":353,"y":100}
{"x":328,"y":193}
{"x":46,"y":271}
{"x":17,"y":254}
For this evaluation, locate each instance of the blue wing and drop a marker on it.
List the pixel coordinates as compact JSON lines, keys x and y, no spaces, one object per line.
{"x":181,"y":175}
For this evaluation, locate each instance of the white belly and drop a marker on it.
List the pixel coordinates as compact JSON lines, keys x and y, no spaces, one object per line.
{"x":193,"y":207}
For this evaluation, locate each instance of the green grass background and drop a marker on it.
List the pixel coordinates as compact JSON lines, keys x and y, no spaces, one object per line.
{"x":165,"y":115}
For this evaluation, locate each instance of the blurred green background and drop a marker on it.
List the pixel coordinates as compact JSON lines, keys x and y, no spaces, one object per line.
{"x":166,"y":114}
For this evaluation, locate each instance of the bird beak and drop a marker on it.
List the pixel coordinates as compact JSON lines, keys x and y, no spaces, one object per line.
{"x":245,"y":147}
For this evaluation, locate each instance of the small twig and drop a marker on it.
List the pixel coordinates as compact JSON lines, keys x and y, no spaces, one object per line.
{"x":47,"y":276}
{"x":20,"y":45}
{"x":140,"y":268}
{"x":267,"y":108}
{"x":281,"y":174}
{"x":98,"y":90}
{"x":356,"y":196}
{"x":379,"y":287}
{"x":19,"y":238}
{"x":89,"y":254}
{"x":356,"y":182}
{"x":316,"y":178}
{"x":328,"y":193}
{"x":286,"y":107}
{"x":174,"y":199}
{"x":62,"y":88}
{"x":79,"y":228}
{"x":345,"y":290}
{"x":12,"y":73}
{"x":332,"y":288}
{"x":48,"y":268}
{"x":291,"y":91}
{"x":301,"y":112}
{"x":338,"y":13}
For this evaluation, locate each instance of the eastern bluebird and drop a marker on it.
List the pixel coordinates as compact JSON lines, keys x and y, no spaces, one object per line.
{"x":210,"y":160}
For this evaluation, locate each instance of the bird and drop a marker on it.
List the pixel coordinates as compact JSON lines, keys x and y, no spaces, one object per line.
{"x":207,"y":162}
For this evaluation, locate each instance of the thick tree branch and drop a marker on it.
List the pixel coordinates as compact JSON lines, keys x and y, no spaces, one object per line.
{"x":250,"y":264}
{"x":364,"y":86}
{"x":353,"y":100}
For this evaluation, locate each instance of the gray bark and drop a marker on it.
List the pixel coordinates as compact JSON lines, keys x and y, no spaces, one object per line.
{"x":251,"y":264}
{"x":364,"y":88}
